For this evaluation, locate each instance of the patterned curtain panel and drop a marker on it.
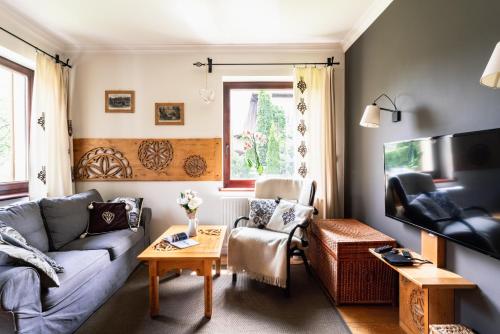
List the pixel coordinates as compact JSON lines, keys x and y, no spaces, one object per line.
{"x":320,"y":130}
{"x":50,"y":131}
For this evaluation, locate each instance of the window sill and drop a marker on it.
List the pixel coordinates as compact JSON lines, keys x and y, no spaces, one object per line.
{"x":236,"y":189}
{"x":13,"y":196}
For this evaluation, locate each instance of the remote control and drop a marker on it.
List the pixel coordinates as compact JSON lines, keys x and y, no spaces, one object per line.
{"x":406,"y":253}
{"x":383,"y":249}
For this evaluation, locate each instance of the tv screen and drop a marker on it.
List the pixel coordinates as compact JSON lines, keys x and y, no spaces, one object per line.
{"x":448,"y":185}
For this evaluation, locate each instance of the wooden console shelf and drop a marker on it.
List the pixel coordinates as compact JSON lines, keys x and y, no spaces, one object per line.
{"x":426,"y":295}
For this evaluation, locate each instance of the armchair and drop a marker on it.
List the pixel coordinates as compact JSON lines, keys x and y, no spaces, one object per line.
{"x":302,"y":191}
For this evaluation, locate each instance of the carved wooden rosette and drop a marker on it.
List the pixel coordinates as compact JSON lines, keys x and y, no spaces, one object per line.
{"x":417,"y":308}
{"x":195,"y":166}
{"x":103,"y":163}
{"x":155,"y":154}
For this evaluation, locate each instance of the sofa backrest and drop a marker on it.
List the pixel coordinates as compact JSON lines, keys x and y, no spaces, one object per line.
{"x":27,"y":220}
{"x":67,"y":217}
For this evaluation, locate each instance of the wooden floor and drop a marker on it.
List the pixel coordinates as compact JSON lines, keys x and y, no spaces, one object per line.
{"x":368,"y":319}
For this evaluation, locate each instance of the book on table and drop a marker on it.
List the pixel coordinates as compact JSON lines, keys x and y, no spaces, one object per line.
{"x":180,"y":240}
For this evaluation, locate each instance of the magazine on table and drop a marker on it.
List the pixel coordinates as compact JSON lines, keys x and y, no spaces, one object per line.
{"x":180,"y":240}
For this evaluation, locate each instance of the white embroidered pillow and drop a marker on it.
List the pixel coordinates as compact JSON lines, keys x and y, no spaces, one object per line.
{"x":261,"y":211}
{"x":288,"y":215}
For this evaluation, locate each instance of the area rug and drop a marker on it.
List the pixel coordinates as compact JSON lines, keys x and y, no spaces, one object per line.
{"x":246,"y":307}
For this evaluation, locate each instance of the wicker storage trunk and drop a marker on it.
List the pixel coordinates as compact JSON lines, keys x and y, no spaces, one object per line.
{"x":339,"y":255}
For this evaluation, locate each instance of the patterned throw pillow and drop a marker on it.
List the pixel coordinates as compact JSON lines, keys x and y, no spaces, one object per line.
{"x":287,"y":215}
{"x":261,"y":211}
{"x":13,"y":244}
{"x":134,"y":210}
{"x":106,"y":217}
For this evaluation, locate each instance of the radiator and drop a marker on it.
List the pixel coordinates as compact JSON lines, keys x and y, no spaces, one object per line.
{"x":232,"y":208}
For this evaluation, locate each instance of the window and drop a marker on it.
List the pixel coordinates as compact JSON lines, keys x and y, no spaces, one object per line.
{"x":16,"y":84}
{"x":259,"y":132}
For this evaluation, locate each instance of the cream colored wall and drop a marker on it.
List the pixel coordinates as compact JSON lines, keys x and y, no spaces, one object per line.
{"x":168,"y":77}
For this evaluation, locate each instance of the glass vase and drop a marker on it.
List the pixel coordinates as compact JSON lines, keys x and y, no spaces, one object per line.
{"x":192,"y":224}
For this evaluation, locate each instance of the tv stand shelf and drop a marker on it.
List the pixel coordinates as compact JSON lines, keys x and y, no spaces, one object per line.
{"x":429,"y":276}
{"x":426,"y":294}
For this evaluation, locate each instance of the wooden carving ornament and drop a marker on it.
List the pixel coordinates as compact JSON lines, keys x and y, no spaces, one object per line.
{"x":195,"y":166}
{"x":155,"y":154}
{"x":103,"y":163}
{"x":417,"y":308}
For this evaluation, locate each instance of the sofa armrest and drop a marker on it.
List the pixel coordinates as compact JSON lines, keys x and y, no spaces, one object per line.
{"x":146,"y":222}
{"x":19,"y":298}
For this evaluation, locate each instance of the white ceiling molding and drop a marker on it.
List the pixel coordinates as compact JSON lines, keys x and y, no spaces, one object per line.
{"x":364,"y":22}
{"x":24,"y":28}
{"x":206,"y":48}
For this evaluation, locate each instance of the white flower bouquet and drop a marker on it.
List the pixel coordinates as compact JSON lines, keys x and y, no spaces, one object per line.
{"x":190,"y":201}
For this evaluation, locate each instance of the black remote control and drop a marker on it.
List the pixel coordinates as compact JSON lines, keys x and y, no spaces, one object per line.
{"x":383,"y":249}
{"x":406,"y":253}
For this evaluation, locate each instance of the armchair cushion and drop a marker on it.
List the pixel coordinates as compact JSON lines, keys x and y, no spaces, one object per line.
{"x":261,"y":211}
{"x":288,"y":215}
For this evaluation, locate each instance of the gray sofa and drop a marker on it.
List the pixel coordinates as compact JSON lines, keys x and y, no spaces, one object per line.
{"x":95,"y":266}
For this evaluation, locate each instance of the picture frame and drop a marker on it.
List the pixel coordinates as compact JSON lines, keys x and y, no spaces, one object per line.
{"x":167,"y":113}
{"x":119,"y":101}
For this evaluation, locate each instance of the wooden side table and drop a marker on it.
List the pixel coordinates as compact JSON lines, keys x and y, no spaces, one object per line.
{"x":426,"y":295}
{"x":199,"y":258}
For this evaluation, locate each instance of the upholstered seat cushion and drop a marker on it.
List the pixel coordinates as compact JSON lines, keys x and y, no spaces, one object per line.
{"x":79,"y":269}
{"x":116,"y":242}
{"x":27,"y":220}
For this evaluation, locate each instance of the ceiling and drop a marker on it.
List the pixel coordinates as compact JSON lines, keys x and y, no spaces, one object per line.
{"x":115,"y":24}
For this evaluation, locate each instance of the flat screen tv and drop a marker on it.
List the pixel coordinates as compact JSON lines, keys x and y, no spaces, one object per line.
{"x":448,"y":185}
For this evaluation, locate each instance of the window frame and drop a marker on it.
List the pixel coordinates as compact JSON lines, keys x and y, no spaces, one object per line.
{"x":17,"y":189}
{"x":227,"y":87}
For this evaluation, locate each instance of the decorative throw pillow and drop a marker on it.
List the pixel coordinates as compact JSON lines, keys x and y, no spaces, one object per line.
{"x":106,"y":217}
{"x":261,"y":211}
{"x":134,"y":210}
{"x":28,"y":255}
{"x":12,"y":237}
{"x":288,"y":215}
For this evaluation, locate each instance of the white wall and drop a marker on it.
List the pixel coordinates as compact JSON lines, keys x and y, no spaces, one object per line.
{"x":169,"y":77}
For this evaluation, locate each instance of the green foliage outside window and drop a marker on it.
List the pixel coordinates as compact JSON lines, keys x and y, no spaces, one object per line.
{"x":406,"y":155}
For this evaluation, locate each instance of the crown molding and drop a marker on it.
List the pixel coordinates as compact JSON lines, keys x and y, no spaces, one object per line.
{"x":364,"y":22}
{"x":32,"y":32}
{"x":206,"y":48}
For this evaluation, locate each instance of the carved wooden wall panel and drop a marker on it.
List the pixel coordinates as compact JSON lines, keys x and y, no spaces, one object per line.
{"x":148,"y":159}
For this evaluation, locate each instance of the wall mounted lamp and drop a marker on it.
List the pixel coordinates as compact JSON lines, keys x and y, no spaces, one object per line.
{"x":491,"y":75}
{"x":371,"y":116}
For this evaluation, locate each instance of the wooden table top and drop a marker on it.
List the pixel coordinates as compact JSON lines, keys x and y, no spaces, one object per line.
{"x":428,"y":275}
{"x":209,"y":246}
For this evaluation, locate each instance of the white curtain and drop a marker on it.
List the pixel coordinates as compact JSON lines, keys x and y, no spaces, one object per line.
{"x":50,"y":131}
{"x":321,"y":132}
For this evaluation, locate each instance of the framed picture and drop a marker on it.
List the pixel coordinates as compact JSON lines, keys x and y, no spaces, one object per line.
{"x":119,"y":101}
{"x":169,"y":113}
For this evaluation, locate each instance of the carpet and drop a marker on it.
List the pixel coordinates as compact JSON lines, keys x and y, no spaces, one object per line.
{"x":247,"y":307}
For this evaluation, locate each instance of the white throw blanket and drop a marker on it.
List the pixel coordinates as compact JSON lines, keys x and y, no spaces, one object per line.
{"x":261,"y":254}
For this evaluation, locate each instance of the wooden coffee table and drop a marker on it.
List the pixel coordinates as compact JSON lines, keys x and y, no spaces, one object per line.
{"x":199,"y":258}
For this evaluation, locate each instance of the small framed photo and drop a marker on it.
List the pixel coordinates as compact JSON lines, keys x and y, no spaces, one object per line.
{"x":119,"y":101}
{"x":169,"y":113}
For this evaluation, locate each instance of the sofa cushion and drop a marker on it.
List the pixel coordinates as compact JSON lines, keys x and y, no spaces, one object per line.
{"x":116,"y":242}
{"x":27,"y":220}
{"x":67,"y":217}
{"x":79,"y":269}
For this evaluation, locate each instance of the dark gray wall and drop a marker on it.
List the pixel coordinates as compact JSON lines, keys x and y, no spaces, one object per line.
{"x":431,"y":55}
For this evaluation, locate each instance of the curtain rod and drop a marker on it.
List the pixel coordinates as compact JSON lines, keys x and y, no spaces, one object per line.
{"x":56,"y":57}
{"x":210,"y":64}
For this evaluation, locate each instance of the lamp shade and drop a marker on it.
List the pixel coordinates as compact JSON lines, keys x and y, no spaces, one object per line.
{"x":371,"y":117}
{"x":491,"y":75}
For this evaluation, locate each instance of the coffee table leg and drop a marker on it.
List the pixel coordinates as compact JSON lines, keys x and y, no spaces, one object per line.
{"x":217,"y":267}
{"x":154,"y":293}
{"x":208,"y":288}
